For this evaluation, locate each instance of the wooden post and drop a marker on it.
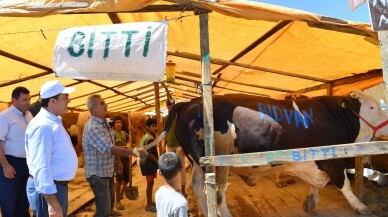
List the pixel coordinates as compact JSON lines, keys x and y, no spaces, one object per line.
{"x":157,"y":111}
{"x":330,"y":89}
{"x":383,"y":39}
{"x":130,"y":130}
{"x":208,"y":114}
{"x":359,"y":177}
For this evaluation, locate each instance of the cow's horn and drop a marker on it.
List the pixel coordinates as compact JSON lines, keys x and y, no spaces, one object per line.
{"x":356,"y":94}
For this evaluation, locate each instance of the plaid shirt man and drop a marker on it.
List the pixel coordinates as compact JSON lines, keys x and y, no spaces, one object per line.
{"x":97,"y":142}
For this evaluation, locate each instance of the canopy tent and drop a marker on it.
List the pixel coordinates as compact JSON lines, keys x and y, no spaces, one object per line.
{"x":255,"y":48}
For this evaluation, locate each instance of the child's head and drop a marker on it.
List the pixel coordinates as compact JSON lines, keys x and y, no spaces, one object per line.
{"x":151,"y":125}
{"x":169,"y":165}
{"x":118,"y":123}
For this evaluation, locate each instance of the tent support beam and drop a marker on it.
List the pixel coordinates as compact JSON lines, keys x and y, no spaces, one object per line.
{"x":234,"y":82}
{"x":134,"y":97}
{"x":347,"y":80}
{"x":147,"y":99}
{"x":339,"y":28}
{"x":115,"y":91}
{"x":225,"y":62}
{"x":256,"y":43}
{"x":210,"y":175}
{"x":116,"y":86}
{"x":225,"y":88}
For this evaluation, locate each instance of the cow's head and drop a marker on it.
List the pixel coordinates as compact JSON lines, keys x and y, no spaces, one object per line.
{"x":373,"y":120}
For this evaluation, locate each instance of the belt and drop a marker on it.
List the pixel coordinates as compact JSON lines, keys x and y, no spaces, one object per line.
{"x":56,"y":182}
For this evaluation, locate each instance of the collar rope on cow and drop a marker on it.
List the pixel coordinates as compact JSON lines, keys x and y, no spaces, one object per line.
{"x":375,"y":129}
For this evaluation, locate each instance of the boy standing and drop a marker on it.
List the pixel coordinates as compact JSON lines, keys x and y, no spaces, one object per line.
{"x":122,"y":163}
{"x":150,"y":166}
{"x":169,"y":200}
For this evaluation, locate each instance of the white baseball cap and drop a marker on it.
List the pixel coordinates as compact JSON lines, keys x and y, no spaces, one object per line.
{"x":53,"y":88}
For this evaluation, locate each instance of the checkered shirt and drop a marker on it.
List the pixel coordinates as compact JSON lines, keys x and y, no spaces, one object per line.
{"x":97,"y":142}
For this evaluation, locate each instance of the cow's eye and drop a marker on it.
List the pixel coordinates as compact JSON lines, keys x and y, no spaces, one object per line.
{"x":372,"y":107}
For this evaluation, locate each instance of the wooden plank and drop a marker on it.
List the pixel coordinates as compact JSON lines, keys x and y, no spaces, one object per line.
{"x":298,"y":155}
{"x":242,"y":204}
{"x":284,"y":204}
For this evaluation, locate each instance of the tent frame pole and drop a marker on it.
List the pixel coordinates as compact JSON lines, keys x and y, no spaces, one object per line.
{"x":210,"y":181}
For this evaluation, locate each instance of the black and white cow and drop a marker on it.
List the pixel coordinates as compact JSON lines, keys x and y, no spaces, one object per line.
{"x":245,"y":124}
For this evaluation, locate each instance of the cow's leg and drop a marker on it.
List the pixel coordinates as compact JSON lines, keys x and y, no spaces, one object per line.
{"x":352,"y":199}
{"x":312,"y":200}
{"x":222,"y":182}
{"x":198,"y":186}
{"x":308,"y":172}
{"x":336,"y":170}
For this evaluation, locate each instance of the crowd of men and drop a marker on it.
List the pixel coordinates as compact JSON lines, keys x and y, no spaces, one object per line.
{"x":38,"y":159}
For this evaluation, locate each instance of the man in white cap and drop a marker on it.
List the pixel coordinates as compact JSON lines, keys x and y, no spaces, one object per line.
{"x":51,"y":158}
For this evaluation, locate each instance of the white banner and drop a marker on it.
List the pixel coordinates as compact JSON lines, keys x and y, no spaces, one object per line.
{"x":130,"y":52}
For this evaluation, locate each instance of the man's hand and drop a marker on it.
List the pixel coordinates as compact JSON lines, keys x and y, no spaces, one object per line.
{"x":55,"y":211}
{"x":119,"y":167}
{"x":9,"y":171}
{"x":142,"y":155}
{"x":54,"y":208}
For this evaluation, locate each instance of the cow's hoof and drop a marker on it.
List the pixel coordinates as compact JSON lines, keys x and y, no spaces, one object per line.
{"x":309,"y":204}
{"x":365,"y":211}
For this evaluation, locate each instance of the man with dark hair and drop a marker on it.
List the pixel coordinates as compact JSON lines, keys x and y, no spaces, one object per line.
{"x":150,"y":166}
{"x":51,"y":158}
{"x":169,"y":201}
{"x":14,"y":170}
{"x":99,"y":150}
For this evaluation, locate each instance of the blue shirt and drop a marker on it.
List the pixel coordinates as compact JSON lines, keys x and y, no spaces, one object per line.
{"x":13,"y":126}
{"x":50,"y":153}
{"x":97,"y":142}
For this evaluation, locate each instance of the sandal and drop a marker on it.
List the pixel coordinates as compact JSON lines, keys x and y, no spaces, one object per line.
{"x":119,"y":206}
{"x":151,"y":208}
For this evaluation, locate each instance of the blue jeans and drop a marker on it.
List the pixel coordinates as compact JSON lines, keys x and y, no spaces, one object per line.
{"x":103,"y":189}
{"x":38,"y":203}
{"x":13,"y":198}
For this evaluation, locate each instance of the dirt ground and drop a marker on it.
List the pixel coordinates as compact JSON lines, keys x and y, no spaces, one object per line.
{"x":262,"y":200}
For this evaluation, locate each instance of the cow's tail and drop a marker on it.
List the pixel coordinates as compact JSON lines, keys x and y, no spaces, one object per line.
{"x":171,"y":116}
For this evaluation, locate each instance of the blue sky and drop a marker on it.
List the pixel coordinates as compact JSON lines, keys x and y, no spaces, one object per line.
{"x":332,"y":8}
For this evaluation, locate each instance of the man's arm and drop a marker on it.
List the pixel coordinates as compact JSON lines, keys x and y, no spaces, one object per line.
{"x":119,"y":151}
{"x":150,"y":155}
{"x":54,"y":208}
{"x":119,"y":164}
{"x":8,"y":170}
